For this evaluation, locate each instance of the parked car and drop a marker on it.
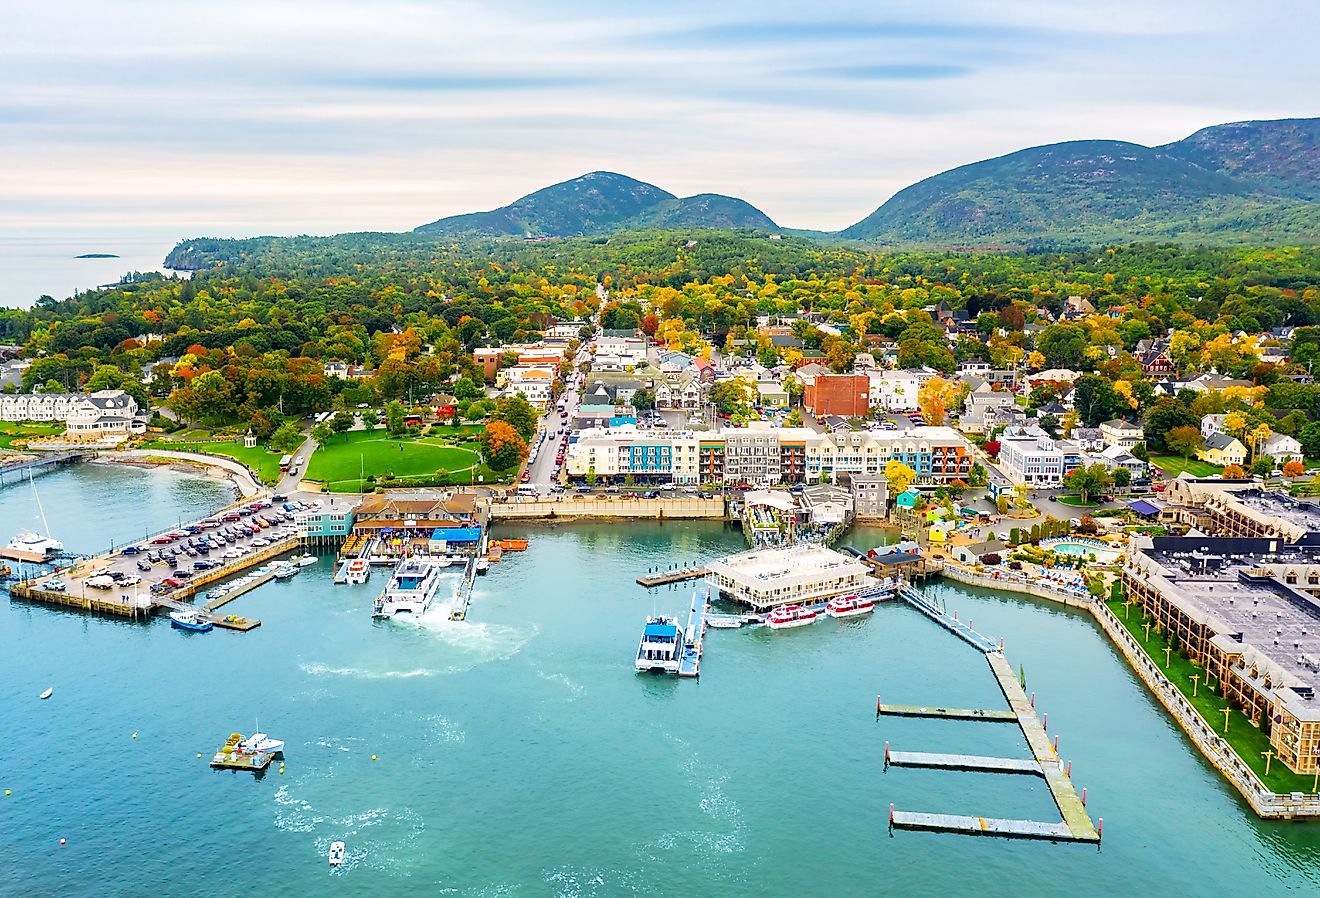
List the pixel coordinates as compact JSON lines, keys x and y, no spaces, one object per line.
{"x":143,"y":566}
{"x":131,"y":550}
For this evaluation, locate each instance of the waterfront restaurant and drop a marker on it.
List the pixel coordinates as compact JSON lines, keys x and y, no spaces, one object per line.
{"x":1248,"y":610}
{"x":767,"y":578}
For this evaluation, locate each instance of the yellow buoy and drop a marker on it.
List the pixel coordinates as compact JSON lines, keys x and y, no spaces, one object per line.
{"x":6,"y":791}
{"x":199,"y":754}
{"x":135,"y":735}
{"x":373,"y":757}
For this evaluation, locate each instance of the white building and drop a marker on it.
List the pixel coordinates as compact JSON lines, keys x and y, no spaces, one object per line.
{"x":1282,"y":448}
{"x":103,"y":412}
{"x":619,"y":352}
{"x":1122,"y":433}
{"x":768,"y":578}
{"x":896,"y":391}
{"x":1030,"y":456}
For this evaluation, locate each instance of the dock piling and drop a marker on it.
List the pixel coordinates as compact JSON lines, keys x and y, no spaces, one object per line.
{"x":1056,"y":743}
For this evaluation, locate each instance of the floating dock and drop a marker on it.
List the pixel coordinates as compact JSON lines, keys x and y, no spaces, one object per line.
{"x":979,"y":826}
{"x":240,"y":588}
{"x":948,"y":713}
{"x":950,"y":623}
{"x":233,"y":622}
{"x":695,"y":637}
{"x":678,"y":575}
{"x":977,"y":763}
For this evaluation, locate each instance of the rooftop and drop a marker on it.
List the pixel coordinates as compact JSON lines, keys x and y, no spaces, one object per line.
{"x":795,"y":563}
{"x":1277,"y":504}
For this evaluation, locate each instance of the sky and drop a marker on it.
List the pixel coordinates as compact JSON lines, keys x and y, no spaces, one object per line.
{"x":178,"y":119}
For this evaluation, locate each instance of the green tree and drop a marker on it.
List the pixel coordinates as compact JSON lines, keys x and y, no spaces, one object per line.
{"x":1184,"y":440}
{"x":978,"y":476}
{"x":643,"y":400}
{"x":1095,"y":399}
{"x":322,"y":433}
{"x":1122,"y":478}
{"x":518,"y":413}
{"x":1063,"y":345}
{"x":1086,"y":480}
{"x":394,"y":415}
{"x":286,"y":438}
{"x":342,"y":422}
{"x":467,"y":388}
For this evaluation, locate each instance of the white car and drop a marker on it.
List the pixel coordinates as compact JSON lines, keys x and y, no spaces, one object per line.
{"x":233,"y":553}
{"x":260,"y":543}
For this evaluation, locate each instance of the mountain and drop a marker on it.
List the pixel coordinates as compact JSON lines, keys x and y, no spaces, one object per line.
{"x":1248,"y":181}
{"x":597,"y":203}
{"x":1280,"y":156}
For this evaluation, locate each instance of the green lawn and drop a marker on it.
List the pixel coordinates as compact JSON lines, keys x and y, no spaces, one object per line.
{"x":265,"y":462}
{"x":21,"y":430}
{"x":1248,"y":741}
{"x":1076,"y":502}
{"x":1174,"y":465}
{"x":340,"y":463}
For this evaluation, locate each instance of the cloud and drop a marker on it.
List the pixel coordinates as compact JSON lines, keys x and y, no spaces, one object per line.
{"x":892,"y":72}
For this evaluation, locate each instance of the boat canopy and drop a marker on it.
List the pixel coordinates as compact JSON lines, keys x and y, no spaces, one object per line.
{"x":669,"y":630}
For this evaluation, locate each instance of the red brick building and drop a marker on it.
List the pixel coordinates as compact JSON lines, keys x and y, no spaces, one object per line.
{"x":838,"y":394}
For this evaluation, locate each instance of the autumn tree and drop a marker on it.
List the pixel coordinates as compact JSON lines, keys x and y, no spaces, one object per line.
{"x":1293,"y":468}
{"x":1183,"y":440}
{"x":1233,"y":472}
{"x":899,"y":476}
{"x":934,"y":399}
{"x":1086,"y":480}
{"x":502,"y":446}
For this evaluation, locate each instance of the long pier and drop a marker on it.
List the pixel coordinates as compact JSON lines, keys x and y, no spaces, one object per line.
{"x":41,"y":461}
{"x":979,"y":826}
{"x":678,"y":575}
{"x":950,"y":623}
{"x":947,"y":713}
{"x":240,"y":589}
{"x":978,"y":763}
{"x":690,"y":664}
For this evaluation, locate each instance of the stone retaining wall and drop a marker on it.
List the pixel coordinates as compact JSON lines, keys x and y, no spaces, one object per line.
{"x":573,"y":506}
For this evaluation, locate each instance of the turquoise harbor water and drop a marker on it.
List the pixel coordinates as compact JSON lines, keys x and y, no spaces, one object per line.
{"x":519,"y":755}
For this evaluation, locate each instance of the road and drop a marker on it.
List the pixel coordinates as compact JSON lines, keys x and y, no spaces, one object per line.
{"x":549,"y":427}
{"x":289,"y":482}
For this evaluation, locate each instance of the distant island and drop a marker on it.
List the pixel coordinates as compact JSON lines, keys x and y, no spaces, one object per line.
{"x":97,"y":256}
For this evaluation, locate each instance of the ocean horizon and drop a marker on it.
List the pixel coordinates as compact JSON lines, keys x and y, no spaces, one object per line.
{"x":31,"y":267}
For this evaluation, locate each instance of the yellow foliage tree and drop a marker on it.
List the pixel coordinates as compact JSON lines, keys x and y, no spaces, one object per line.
{"x":1257,"y":438}
{"x":934,"y":399}
{"x":1235,"y":423}
{"x":900,"y":477}
{"x":1035,"y":361}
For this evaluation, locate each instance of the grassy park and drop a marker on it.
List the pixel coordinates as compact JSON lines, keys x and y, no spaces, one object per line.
{"x":343,"y":461}
{"x":25,"y":430}
{"x":1173,"y":465}
{"x":1247,"y":740}
{"x":265,"y":462}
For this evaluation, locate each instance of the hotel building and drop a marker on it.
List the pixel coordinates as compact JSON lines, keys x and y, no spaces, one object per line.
{"x":767,"y":578}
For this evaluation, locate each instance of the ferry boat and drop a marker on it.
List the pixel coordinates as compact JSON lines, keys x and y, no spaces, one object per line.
{"x":789,"y":616}
{"x":358,"y":570}
{"x":411,"y":588}
{"x":850,"y":606}
{"x":661,"y":646}
{"x":190,"y":620}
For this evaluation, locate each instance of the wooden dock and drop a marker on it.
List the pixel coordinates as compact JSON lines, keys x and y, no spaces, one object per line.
{"x":240,"y":590}
{"x":976,"y":763}
{"x":690,"y":664}
{"x":234,"y":622}
{"x":997,"y":716}
{"x":980,"y":826}
{"x":678,"y":575}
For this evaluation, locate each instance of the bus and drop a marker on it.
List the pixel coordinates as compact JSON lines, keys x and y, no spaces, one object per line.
{"x":284,"y":464}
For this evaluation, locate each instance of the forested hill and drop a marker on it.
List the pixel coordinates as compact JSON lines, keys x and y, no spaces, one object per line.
{"x":597,"y":203}
{"x":1237,"y":183}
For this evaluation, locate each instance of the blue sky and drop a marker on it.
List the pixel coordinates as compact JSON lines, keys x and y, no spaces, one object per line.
{"x":183,"y":118}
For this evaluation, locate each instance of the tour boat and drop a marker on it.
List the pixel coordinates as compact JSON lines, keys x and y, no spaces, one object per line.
{"x":260,"y":743}
{"x":336,"y":853}
{"x":190,"y":620}
{"x":790,"y":616}
{"x":358,"y":571}
{"x":850,"y":606}
{"x":661,"y":646}
{"x":48,"y":693}
{"x":411,"y":588}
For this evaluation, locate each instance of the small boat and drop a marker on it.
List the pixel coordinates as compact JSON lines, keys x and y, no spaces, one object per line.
{"x":789,"y":616}
{"x":336,"y":853}
{"x":358,"y":570}
{"x":303,"y":560}
{"x":724,"y":621}
{"x":190,"y":620}
{"x":284,"y":570}
{"x":48,"y":693}
{"x":261,"y":744}
{"x":483,"y":565}
{"x":850,"y":606}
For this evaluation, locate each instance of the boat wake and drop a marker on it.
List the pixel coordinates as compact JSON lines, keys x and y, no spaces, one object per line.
{"x":318,"y":670}
{"x":383,"y":839}
{"x":575,"y":688}
{"x":708,"y":784}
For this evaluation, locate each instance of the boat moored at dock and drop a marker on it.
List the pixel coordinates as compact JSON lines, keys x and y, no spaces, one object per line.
{"x":411,"y":589}
{"x":357,"y":571}
{"x":191,"y":620}
{"x":284,"y":570}
{"x":789,"y":616}
{"x":661,"y":646}
{"x":850,"y":606}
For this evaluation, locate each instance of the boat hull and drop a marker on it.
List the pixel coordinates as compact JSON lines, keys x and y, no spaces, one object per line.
{"x":202,"y":627}
{"x":790,"y":624}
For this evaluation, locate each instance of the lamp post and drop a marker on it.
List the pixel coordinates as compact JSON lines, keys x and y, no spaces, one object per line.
{"x":1168,"y":652}
{"x":1196,"y":679}
{"x":1147,"y":631}
{"x":1268,"y":756}
{"x":1225,"y":712}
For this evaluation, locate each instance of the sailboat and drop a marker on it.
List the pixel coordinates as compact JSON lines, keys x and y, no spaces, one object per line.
{"x":28,"y":545}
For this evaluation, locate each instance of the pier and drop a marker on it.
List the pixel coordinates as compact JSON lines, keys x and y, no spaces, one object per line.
{"x":950,"y":623}
{"x":947,"y":713}
{"x":690,"y":664}
{"x":977,"y":763}
{"x":230,"y":758}
{"x":239,"y":589}
{"x":677,"y":575}
{"x":53,"y":459}
{"x":979,"y":826}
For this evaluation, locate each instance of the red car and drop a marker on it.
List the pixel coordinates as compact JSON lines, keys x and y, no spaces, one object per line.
{"x":526,"y":476}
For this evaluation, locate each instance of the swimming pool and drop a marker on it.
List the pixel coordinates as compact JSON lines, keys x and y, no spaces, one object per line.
{"x":1102,"y":553}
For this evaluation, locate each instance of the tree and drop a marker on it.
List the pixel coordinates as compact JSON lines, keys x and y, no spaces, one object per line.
{"x":1122,"y":478}
{"x":322,"y":433}
{"x":518,"y":413}
{"x":286,"y":438}
{"x":1262,"y":466}
{"x":1235,"y":424}
{"x":502,"y":446}
{"x":1233,"y":472}
{"x":1095,"y":399}
{"x":394,"y":415}
{"x":1256,"y":438}
{"x":794,"y":418}
{"x":1085,"y":480}
{"x":1293,"y":468}
{"x":934,"y":398}
{"x":1166,"y":415}
{"x":1184,"y":440}
{"x":1063,"y":345}
{"x":978,"y":477}
{"x":467,"y":388}
{"x":731,"y":396}
{"x":643,"y":400}
{"x":794,"y":388}
{"x":900,"y":477}
{"x":342,"y":422}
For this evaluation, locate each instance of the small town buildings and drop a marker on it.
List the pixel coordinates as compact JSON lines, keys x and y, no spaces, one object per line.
{"x":980,"y":412}
{"x":974,"y":553}
{"x":1282,"y":448}
{"x":1120,"y":432}
{"x":1030,"y":456}
{"x":105,"y":412}
{"x":1088,"y":439}
{"x":768,"y":578}
{"x":1211,"y":424}
{"x":1222,"y":449}
{"x":838,"y":394}
{"x":870,"y":493}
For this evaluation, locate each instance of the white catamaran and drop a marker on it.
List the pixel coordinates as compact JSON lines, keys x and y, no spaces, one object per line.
{"x":28,"y":545}
{"x":411,"y":588}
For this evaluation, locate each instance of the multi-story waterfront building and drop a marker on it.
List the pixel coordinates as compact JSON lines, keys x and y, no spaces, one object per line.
{"x":102,"y":412}
{"x":763,"y":456}
{"x":1248,"y":610}
{"x":767,"y":578}
{"x":1239,"y":508}
{"x":1031,"y":456}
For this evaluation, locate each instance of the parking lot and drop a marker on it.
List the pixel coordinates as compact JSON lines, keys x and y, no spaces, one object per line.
{"x":224,"y":542}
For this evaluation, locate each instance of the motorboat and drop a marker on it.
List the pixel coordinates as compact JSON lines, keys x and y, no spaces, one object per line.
{"x":483,"y":565}
{"x":284,"y":570}
{"x":661,"y":645}
{"x":260,"y":743}
{"x":411,"y":588}
{"x":358,"y":570}
{"x":724,"y":621}
{"x":850,"y":606}
{"x":191,"y":620}
{"x":789,"y":616}
{"x":48,"y":693}
{"x":303,"y":560}
{"x":336,"y":853}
